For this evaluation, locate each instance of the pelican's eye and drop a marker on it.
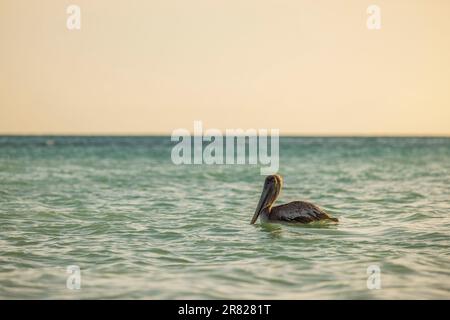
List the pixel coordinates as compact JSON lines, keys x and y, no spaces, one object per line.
{"x":270,"y":180}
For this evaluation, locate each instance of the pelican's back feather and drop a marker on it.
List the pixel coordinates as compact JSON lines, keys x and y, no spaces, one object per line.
{"x":299,"y":211}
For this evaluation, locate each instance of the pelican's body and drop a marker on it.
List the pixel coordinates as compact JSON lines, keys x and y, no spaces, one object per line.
{"x":296,"y":211}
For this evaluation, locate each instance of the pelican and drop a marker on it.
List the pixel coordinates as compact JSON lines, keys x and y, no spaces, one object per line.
{"x":296,"y":211}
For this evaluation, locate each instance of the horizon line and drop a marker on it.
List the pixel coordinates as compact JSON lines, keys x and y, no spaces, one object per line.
{"x":287,"y":135}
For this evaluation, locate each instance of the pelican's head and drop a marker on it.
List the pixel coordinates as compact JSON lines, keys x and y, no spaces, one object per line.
{"x":271,"y":189}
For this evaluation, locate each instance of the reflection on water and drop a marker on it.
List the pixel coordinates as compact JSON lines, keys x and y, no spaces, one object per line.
{"x":275,"y":231}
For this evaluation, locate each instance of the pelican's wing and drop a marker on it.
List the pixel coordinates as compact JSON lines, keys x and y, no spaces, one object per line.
{"x":299,"y":211}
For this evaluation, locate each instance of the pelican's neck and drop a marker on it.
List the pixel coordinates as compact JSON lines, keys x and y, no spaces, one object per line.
{"x":272,"y":201}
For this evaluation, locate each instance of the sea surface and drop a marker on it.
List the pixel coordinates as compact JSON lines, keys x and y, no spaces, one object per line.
{"x":140,"y":227}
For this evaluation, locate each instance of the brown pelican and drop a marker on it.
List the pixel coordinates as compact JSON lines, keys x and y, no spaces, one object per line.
{"x":296,"y":211}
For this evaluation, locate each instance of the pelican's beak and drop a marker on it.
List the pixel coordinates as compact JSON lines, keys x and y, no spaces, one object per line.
{"x":261,"y":204}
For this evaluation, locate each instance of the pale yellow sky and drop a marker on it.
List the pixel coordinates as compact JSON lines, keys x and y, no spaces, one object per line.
{"x":149,"y":67}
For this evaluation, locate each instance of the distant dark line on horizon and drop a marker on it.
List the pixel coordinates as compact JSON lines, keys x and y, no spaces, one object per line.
{"x":281,"y":136}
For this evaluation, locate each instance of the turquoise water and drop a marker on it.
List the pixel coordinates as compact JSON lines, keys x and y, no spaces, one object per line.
{"x":140,"y":227}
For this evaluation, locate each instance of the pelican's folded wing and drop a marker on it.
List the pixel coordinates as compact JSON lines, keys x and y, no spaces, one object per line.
{"x":299,"y":211}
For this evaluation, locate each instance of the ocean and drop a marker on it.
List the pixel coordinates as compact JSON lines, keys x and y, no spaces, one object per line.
{"x":139,"y":227}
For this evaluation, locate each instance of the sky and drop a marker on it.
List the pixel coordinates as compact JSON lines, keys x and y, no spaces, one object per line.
{"x":305,"y":67}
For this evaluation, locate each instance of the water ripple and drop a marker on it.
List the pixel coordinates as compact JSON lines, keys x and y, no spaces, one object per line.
{"x":140,"y":227}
